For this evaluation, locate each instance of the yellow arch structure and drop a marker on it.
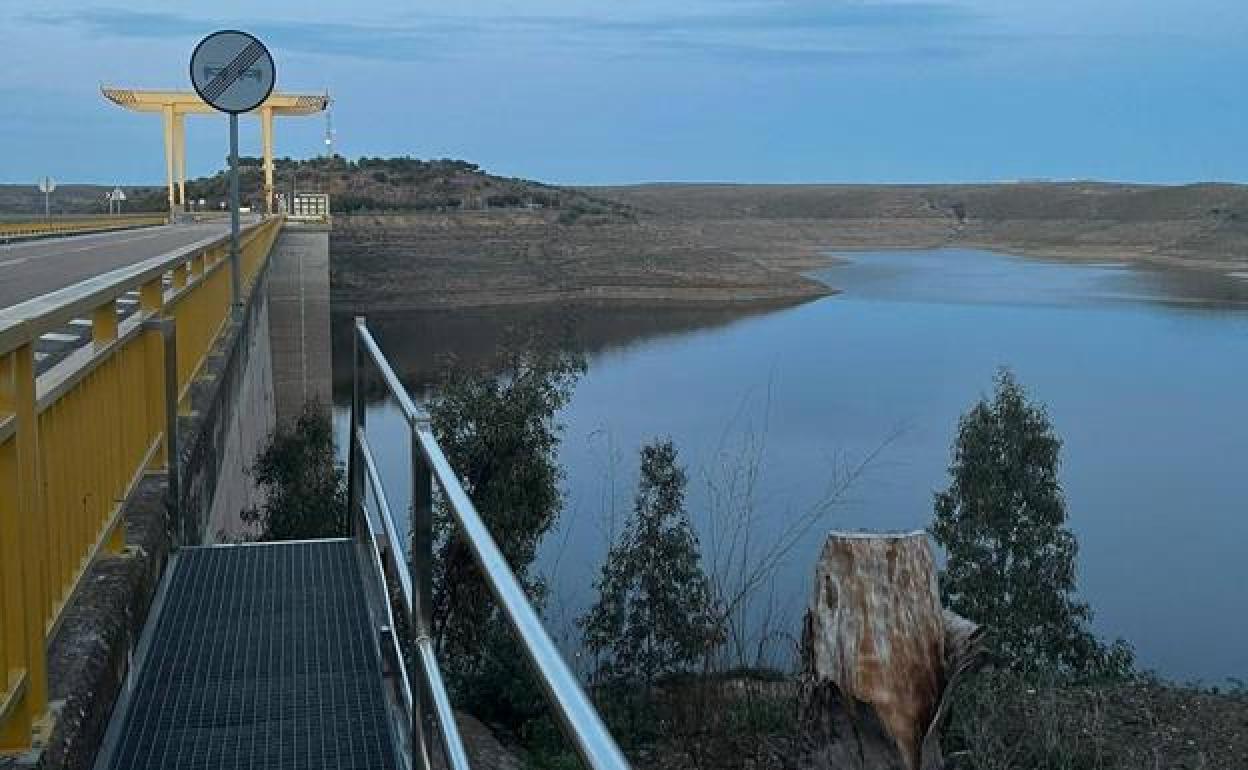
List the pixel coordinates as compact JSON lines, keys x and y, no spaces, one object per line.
{"x":174,"y":106}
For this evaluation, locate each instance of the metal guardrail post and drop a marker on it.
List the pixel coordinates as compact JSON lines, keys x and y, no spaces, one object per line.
{"x":355,"y":473}
{"x":420,"y":524}
{"x":21,"y":536}
{"x":166,"y":328}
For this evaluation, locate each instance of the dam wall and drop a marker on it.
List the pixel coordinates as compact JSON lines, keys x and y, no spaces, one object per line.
{"x":298,"y":292}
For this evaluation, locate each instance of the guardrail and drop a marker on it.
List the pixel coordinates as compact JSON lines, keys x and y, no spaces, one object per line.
{"x":76,"y":440}
{"x":36,"y":228}
{"x":428,"y":703}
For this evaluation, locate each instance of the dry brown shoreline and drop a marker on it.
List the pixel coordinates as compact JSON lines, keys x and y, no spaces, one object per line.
{"x":726,"y":244}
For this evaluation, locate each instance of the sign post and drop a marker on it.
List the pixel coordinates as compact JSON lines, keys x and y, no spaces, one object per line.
{"x":114,"y":199}
{"x":46,"y":186}
{"x":233,"y":72}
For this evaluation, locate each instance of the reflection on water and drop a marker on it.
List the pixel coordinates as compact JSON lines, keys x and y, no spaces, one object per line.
{"x":1144,"y":373}
{"x":419,"y":344}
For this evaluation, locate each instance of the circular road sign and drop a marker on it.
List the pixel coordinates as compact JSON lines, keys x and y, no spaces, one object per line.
{"x":232,"y":71}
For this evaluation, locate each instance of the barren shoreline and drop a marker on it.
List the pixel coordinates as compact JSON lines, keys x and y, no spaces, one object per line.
{"x":750,"y":244}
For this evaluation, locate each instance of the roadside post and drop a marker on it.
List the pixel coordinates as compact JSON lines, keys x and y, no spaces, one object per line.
{"x":46,"y":186}
{"x":233,"y":72}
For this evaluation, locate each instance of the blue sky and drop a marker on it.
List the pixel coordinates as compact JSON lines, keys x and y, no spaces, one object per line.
{"x":709,"y":90}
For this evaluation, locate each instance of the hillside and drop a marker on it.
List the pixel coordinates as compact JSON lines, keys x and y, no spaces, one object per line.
{"x":377,"y":185}
{"x":1203,"y":225}
{"x":683,"y":243}
{"x":24,"y":200}
{"x":412,"y":234}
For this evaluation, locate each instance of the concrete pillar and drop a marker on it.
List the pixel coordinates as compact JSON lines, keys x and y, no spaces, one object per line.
{"x":169,"y":155}
{"x":266,"y":133}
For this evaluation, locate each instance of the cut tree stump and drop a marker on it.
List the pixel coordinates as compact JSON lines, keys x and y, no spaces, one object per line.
{"x":880,"y":657}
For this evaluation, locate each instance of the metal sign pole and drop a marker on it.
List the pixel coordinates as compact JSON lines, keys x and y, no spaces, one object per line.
{"x":235,"y":277}
{"x":233,"y":72}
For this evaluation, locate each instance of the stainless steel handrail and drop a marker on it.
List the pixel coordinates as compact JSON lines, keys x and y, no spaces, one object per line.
{"x":387,"y":518}
{"x":580,"y":720}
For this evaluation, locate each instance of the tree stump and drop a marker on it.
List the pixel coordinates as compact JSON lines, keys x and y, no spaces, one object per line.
{"x":880,"y":657}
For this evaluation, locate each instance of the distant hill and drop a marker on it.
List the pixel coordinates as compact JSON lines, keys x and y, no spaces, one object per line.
{"x":21,"y":200}
{"x":404,"y":185}
{"x":1197,"y":225}
{"x":363,"y":186}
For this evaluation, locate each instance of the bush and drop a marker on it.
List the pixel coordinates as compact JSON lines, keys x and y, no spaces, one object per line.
{"x":305,"y":488}
{"x":654,"y":615}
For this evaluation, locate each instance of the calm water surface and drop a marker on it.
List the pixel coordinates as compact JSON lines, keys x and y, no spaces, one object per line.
{"x":1145,"y":374}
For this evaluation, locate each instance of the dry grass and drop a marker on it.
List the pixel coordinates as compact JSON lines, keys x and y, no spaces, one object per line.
{"x":1005,"y":723}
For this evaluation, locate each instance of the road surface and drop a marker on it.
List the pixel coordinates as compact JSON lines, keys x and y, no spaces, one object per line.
{"x":34,"y":268}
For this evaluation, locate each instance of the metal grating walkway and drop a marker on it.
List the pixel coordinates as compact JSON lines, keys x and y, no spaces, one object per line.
{"x":261,"y":657}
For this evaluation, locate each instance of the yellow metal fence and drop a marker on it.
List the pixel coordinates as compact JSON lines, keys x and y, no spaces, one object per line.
{"x":71,"y":225}
{"x":76,"y":441}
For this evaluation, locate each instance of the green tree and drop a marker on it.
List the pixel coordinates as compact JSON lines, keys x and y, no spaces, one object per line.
{"x":655,"y":614}
{"x":305,"y":489}
{"x":498,"y":429}
{"x":1011,"y":559}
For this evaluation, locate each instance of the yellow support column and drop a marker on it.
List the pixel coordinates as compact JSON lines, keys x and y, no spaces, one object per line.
{"x":24,"y":542}
{"x":104,"y":324}
{"x":169,"y":153}
{"x":179,"y":144}
{"x":266,"y":134}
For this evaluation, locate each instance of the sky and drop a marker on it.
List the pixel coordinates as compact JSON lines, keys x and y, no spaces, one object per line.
{"x":577,"y":92}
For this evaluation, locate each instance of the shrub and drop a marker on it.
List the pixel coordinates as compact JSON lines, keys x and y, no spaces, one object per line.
{"x":1011,"y":559}
{"x":305,"y":488}
{"x":654,"y":615}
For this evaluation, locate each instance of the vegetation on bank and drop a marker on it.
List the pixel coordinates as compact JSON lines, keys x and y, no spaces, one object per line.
{"x":497,"y":426}
{"x":1053,"y":698}
{"x":304,"y":487}
{"x":1011,"y":558}
{"x":391,"y":185}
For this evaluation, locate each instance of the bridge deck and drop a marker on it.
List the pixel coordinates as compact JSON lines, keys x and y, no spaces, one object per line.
{"x":261,"y":656}
{"x":29,"y":270}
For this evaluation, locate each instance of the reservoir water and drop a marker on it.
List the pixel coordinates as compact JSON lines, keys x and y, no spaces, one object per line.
{"x":1144,"y":373}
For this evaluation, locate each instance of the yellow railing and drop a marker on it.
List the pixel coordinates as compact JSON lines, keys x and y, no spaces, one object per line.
{"x":71,"y":225}
{"x":76,"y":440}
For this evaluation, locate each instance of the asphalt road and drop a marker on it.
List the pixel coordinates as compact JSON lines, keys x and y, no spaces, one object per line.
{"x":33,"y":268}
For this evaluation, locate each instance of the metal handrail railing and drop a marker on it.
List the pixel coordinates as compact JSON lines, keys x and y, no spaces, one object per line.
{"x":580,"y":720}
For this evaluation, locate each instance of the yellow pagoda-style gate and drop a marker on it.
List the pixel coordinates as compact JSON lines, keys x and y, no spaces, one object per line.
{"x":174,"y":106}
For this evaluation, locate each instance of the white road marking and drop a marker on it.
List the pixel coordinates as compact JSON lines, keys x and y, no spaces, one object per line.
{"x":17,"y":261}
{"x":102,"y":241}
{"x":113,"y":242}
{"x":58,"y":337}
